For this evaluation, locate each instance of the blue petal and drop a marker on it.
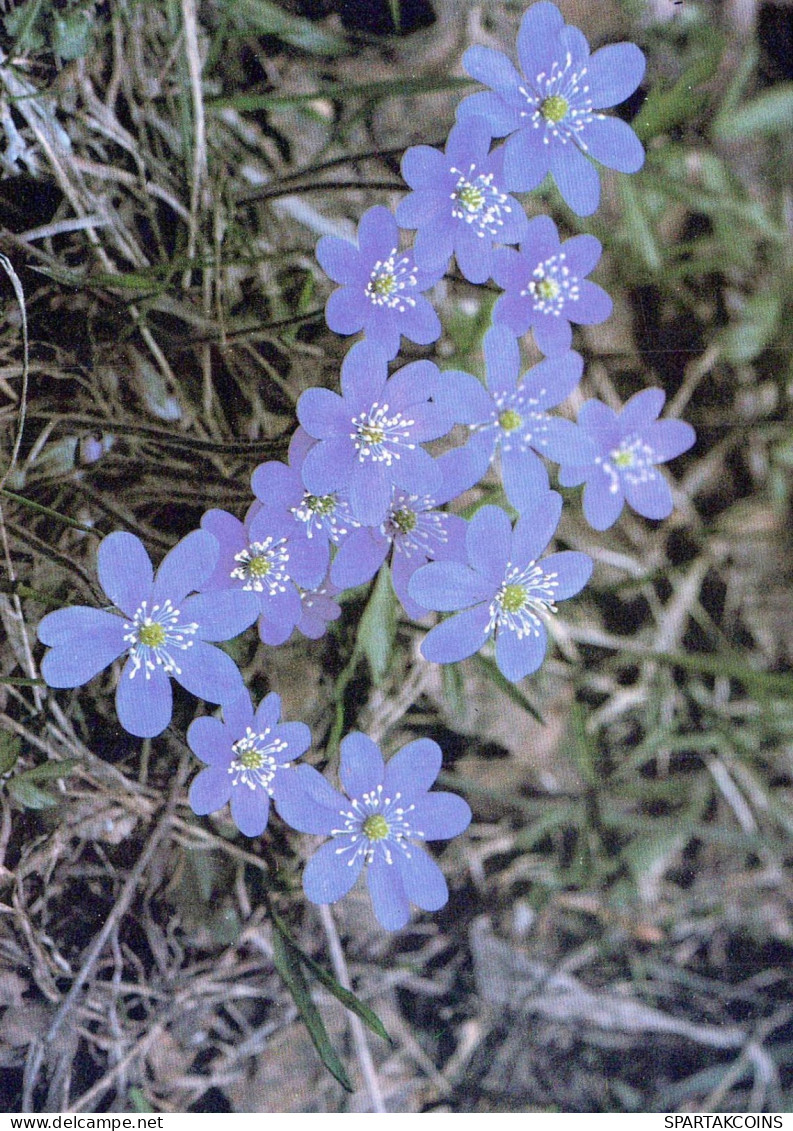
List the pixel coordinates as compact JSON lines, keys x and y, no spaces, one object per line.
{"x":125,"y":571}
{"x":449,"y":586}
{"x":613,"y":74}
{"x":221,"y":615}
{"x":208,"y":673}
{"x":413,"y":769}
{"x":362,"y":766}
{"x":211,"y":740}
{"x":602,"y":506}
{"x":274,"y":635}
{"x":306,"y":801}
{"x":668,"y":438}
{"x":418,"y":209}
{"x":514,"y":311}
{"x":359,"y":558}
{"x":250,"y":809}
{"x":502,"y":358}
{"x":488,"y":542}
{"x":267,"y":713}
{"x":458,"y":637}
{"x":468,"y":143}
{"x":370,"y":491}
{"x":389,"y":901}
{"x":232,"y":539}
{"x":501,"y":117}
{"x":552,"y":333}
{"x":493,"y":68}
{"x":417,"y":473}
{"x":422,"y":167}
{"x":282,"y":608}
{"x":77,"y":660}
{"x":573,"y":571}
{"x":582,"y":254}
{"x":518,"y":657}
{"x":537,"y":38}
{"x":652,"y":497}
{"x":440,"y":816}
{"x":466,"y":398}
{"x":341,"y":260}
{"x":144,"y":706}
{"x":297,"y":737}
{"x":601,"y":424}
{"x":329,"y":465}
{"x":378,"y":233}
{"x":641,"y":410}
{"x":474,"y":255}
{"x":210,"y":790}
{"x":593,"y":306}
{"x":554,"y":379}
{"x":534,"y":530}
{"x":346,"y":310}
{"x":576,"y":178}
{"x":434,"y":243}
{"x":323,"y":414}
{"x":364,"y":373}
{"x":77,"y":623}
{"x":422,"y":879}
{"x":276,"y":484}
{"x":525,"y":478}
{"x":420,"y":323}
{"x":186,"y":567}
{"x":564,"y":442}
{"x":526,"y":160}
{"x":328,"y":875}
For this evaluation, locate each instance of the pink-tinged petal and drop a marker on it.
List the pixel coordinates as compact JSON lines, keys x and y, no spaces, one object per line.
{"x":250,"y":809}
{"x":613,"y":74}
{"x":341,"y":260}
{"x":413,"y":769}
{"x":537,"y":38}
{"x":614,"y":144}
{"x":488,"y":542}
{"x":458,"y":637}
{"x":576,"y":178}
{"x":211,"y":740}
{"x":518,"y":657}
{"x":329,"y":875}
{"x":492,"y":68}
{"x":76,"y":661}
{"x":125,"y":571}
{"x":274,"y":635}
{"x":362,"y":765}
{"x":422,"y":879}
{"x":641,"y":409}
{"x":440,"y":816}
{"x":210,"y":790}
{"x":208,"y":673}
{"x":422,"y":167}
{"x":346,"y":310}
{"x":389,"y":901}
{"x":378,"y":234}
{"x":144,"y":706}
{"x":534,"y":530}
{"x":186,"y":567}
{"x":651,"y":496}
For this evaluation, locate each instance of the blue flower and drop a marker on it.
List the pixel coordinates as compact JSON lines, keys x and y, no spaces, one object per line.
{"x":318,"y":520}
{"x":378,"y":827}
{"x":163,"y":631}
{"x":505,"y":591}
{"x":370,"y":436}
{"x":381,"y":286}
{"x":627,"y":448}
{"x":261,"y":560}
{"x":511,"y":417}
{"x":247,"y":756}
{"x":545,"y":286}
{"x":551,"y":111}
{"x":458,"y":204}
{"x":415,"y":530}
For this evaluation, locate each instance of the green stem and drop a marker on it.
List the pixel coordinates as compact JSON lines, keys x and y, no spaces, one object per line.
{"x":50,"y":512}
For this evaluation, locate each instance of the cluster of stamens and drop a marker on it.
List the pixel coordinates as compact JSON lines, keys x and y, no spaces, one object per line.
{"x":558,"y":103}
{"x":261,"y":566}
{"x":389,"y":280}
{"x":254,"y":764}
{"x":377,"y":436}
{"x":477,"y":202}
{"x":324,"y":513}
{"x":523,"y":595}
{"x":152,"y":636}
{"x":520,"y":421}
{"x":414,"y":527}
{"x":633,"y":461}
{"x":375,"y":821}
{"x":552,"y":285}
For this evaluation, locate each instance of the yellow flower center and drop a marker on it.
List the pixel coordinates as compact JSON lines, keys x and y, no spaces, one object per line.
{"x":405,"y":519}
{"x":623,"y":459}
{"x":471,"y":198}
{"x":152,"y":635}
{"x":513,"y":598}
{"x":375,"y":827}
{"x":259,"y":567}
{"x":384,"y":284}
{"x":251,"y":759}
{"x":510,"y":420}
{"x":547,"y":288}
{"x":371,"y":434}
{"x":555,"y":108}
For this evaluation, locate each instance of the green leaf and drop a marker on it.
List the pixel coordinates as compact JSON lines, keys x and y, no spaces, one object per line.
{"x":580,"y":744}
{"x":770,"y":112}
{"x":266,"y":18}
{"x":287,"y":960}
{"x":377,"y":629}
{"x":10,"y":745}
{"x":396,"y":14}
{"x":665,"y":109}
{"x":29,"y":795}
{"x":637,"y":227}
{"x":47,"y":771}
{"x":346,"y":997}
{"x":754,"y":328}
{"x":72,"y":34}
{"x":491,"y":671}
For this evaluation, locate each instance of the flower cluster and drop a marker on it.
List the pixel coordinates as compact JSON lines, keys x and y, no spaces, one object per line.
{"x":361,"y":492}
